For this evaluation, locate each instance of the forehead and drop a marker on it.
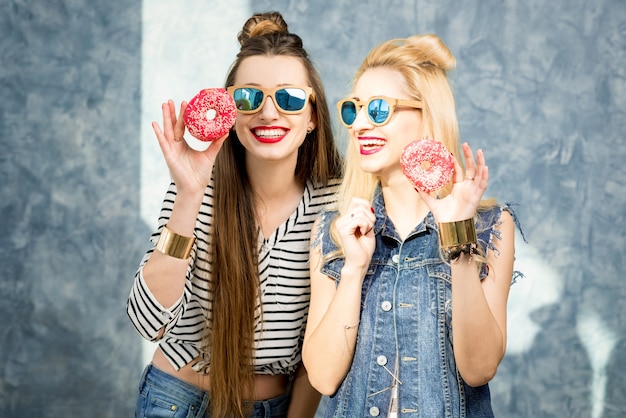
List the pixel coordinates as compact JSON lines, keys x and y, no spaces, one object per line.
{"x":380,"y":81}
{"x":270,"y":71}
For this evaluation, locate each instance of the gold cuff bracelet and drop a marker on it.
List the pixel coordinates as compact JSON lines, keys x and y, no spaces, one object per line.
{"x":453,"y":234}
{"x":175,"y":245}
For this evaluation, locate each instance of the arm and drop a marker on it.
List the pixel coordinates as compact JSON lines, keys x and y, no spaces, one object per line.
{"x":191,"y":172}
{"x":331,"y":330}
{"x":479,"y":309}
{"x":334,"y":312}
{"x":304,"y":398}
{"x":160,"y":281}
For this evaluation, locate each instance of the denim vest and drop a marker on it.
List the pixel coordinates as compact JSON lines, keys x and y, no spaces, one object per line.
{"x":406,"y":319}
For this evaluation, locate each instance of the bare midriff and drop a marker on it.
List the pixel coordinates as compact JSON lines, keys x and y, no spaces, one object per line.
{"x":265,"y":386}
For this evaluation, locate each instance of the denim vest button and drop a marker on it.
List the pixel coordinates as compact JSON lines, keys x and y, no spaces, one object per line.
{"x":386,"y":306}
{"x":395,"y":258}
{"x":374,"y":411}
{"x":381,"y":360}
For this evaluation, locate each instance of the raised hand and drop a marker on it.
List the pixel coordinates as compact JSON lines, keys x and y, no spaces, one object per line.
{"x":467,"y":191}
{"x":356,"y":231}
{"x":189,"y":169}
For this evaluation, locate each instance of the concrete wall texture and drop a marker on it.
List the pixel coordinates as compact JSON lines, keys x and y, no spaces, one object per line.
{"x":540,"y":86}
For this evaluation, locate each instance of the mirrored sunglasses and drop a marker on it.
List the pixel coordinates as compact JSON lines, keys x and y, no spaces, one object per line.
{"x":288,"y":99}
{"x":379,"y":109}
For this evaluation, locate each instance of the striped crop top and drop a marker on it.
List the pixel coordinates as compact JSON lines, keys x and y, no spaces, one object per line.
{"x":284,"y":278}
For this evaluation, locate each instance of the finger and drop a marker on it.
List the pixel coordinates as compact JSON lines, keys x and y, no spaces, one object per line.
{"x":215,"y":147}
{"x":484,"y":178}
{"x":470,"y":166}
{"x":361,"y":226}
{"x":168,"y":128}
{"x":160,"y":136}
{"x":458,"y":171}
{"x":172,"y":111}
{"x":362,"y":220}
{"x":179,"y":124}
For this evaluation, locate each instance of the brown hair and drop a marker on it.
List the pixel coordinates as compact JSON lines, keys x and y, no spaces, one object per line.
{"x":235,"y":283}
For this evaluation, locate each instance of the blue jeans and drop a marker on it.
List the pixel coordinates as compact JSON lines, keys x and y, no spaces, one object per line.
{"x":162,"y":395}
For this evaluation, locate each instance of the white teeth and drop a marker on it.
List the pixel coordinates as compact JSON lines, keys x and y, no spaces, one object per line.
{"x":269,"y":133}
{"x":372,"y":142}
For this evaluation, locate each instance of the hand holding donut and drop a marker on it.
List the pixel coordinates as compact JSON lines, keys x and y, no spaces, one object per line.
{"x":466,"y":193}
{"x":356,"y":231}
{"x":210,"y":114}
{"x":191,"y":169}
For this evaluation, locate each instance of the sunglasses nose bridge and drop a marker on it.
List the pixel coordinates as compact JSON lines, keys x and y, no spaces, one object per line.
{"x":268,"y":107}
{"x":361,"y":117}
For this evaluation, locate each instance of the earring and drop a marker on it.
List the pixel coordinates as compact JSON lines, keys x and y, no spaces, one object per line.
{"x":309,"y":130}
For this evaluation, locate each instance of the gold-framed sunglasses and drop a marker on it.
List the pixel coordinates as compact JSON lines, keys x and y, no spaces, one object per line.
{"x":379,"y":109}
{"x":290,"y":100}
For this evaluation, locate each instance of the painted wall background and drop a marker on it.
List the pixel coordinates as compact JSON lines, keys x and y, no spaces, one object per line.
{"x":541,"y":86}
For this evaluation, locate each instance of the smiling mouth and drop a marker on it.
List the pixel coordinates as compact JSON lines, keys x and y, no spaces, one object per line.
{"x":368,"y":146}
{"x":269,"y":134}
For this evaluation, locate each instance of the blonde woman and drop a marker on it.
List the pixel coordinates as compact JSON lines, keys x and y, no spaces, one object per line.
{"x":403,"y":320}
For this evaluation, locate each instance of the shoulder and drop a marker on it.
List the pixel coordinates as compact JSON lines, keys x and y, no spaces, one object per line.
{"x":496,"y":215}
{"x":321,"y":231}
{"x":495,"y":223}
{"x":317,"y":189}
{"x":321,"y":196}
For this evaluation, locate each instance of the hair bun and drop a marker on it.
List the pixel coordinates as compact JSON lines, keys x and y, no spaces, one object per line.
{"x":262,"y":24}
{"x":431,"y":49}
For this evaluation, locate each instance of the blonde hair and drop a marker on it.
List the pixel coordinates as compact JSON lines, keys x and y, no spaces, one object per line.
{"x":424,"y":62}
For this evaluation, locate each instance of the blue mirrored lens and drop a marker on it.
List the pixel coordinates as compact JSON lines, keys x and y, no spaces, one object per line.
{"x":248,"y":98}
{"x":378,"y":110}
{"x":348,"y":113}
{"x":290,"y":99}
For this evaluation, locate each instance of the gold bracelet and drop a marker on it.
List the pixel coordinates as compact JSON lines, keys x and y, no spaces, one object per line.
{"x":454,"y":234}
{"x":175,"y":245}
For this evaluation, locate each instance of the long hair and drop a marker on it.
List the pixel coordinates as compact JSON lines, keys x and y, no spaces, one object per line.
{"x":236,"y":306}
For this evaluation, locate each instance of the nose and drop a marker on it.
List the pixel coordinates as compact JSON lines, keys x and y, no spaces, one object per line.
{"x":362,"y":121}
{"x":269,"y":110}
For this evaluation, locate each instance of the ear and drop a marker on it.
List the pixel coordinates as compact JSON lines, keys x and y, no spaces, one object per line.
{"x":312,"y":123}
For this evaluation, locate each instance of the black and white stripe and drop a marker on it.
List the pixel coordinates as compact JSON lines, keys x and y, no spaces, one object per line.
{"x":284,"y":278}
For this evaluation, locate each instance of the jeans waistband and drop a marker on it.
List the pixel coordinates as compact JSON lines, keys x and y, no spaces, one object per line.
{"x":182,"y":390}
{"x":193,"y":395}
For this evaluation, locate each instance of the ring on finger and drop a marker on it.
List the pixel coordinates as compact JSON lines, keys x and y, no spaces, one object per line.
{"x":469,"y":178}
{"x":179,"y":139}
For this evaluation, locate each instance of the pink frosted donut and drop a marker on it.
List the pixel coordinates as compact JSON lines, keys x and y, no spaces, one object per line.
{"x":427,"y":164}
{"x":210,"y":114}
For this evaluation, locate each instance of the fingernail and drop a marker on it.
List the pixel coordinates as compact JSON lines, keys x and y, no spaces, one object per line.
{"x":372,"y":209}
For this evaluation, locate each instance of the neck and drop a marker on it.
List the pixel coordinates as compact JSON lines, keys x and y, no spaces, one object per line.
{"x":404,"y":206}
{"x":273,"y":180}
{"x":277,"y":192}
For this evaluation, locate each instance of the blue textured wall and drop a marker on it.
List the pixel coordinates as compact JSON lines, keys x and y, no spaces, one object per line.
{"x":541,"y":86}
{"x":70,"y":234}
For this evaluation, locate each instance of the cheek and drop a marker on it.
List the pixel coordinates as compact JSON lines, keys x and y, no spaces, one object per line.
{"x":241,"y":124}
{"x":308,"y":119}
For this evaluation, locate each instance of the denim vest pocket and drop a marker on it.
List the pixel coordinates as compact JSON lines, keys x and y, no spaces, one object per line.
{"x":440,"y":291}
